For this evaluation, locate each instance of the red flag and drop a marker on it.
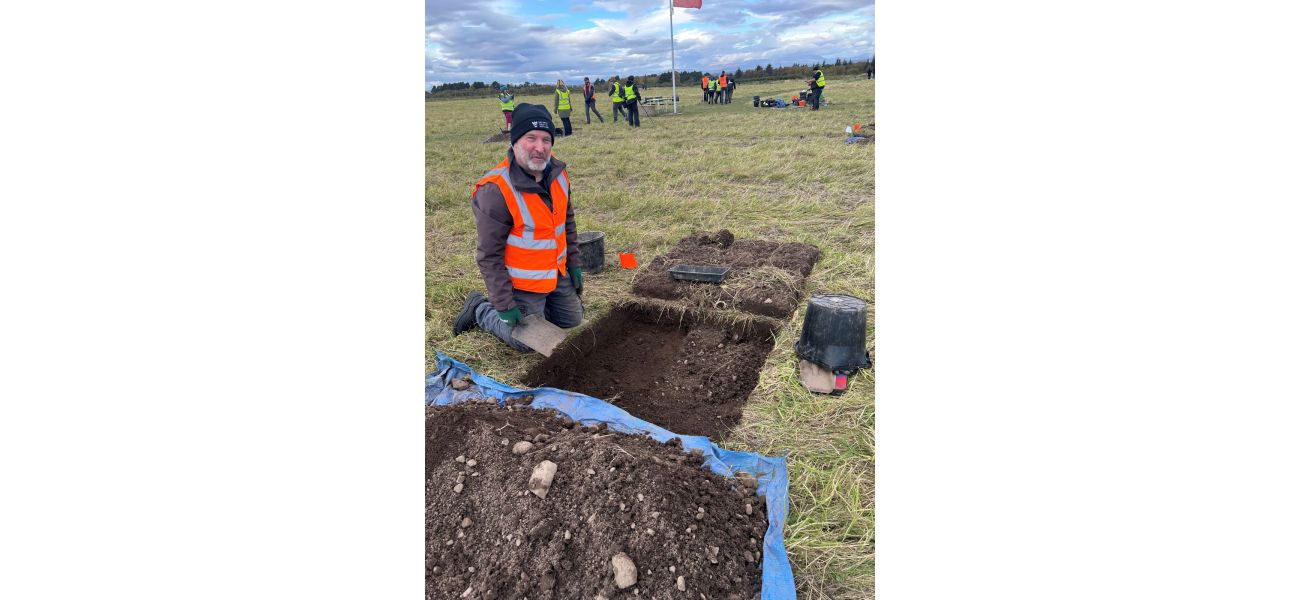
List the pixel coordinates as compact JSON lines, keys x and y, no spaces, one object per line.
{"x":687,"y":3}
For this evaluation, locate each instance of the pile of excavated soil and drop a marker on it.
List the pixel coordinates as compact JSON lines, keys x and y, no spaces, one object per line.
{"x":681,"y":373}
{"x":766,"y":278}
{"x":623,"y":517}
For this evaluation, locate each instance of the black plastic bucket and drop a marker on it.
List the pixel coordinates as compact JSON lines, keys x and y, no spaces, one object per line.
{"x":835,"y":333}
{"x":591,"y":251}
{"x":755,"y":101}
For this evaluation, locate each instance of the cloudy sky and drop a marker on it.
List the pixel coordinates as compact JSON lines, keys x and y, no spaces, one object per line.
{"x":512,"y":41}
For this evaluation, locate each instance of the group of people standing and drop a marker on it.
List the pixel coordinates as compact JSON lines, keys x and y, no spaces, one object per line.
{"x":625,"y":95}
{"x":718,"y":90}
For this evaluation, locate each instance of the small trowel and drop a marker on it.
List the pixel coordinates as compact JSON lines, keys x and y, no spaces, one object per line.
{"x":538,"y":333}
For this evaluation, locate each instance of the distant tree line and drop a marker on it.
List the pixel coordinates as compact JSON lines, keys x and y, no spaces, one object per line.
{"x":688,"y":79}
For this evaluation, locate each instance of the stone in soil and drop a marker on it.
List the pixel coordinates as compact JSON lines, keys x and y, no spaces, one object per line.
{"x":684,"y":372}
{"x":624,"y":571}
{"x":744,"y":256}
{"x":563,"y":546}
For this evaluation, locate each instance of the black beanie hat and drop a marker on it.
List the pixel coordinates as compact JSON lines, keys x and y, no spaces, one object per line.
{"x":528,"y":117}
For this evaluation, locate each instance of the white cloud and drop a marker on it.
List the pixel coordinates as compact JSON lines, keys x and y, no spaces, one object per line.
{"x":488,"y":41}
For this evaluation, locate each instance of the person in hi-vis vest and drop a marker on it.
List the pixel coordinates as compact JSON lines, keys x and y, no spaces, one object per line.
{"x":527,"y":236}
{"x":616,"y":95}
{"x":632,"y":98}
{"x":589,"y":99}
{"x":564,"y":106}
{"x":818,"y":82}
{"x":507,"y":103}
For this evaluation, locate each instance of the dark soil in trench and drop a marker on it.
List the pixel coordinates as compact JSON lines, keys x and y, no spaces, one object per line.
{"x":488,"y":537}
{"x":679,"y":370}
{"x":766,"y":278}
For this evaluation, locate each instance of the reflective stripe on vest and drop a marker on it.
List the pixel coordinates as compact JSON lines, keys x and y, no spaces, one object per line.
{"x":631,"y":93}
{"x":821,"y":79}
{"x":535,"y":248}
{"x":563,"y":180}
{"x":564,"y":100}
{"x":532,"y":274}
{"x":508,"y":104}
{"x":528,"y":244}
{"x":618,"y":93}
{"x":713,"y":84}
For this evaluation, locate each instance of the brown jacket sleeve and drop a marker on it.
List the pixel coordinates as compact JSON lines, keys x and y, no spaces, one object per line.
{"x":494,"y":223}
{"x":573,"y":259}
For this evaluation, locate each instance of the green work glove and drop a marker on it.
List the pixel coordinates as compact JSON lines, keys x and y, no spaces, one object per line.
{"x":575,"y":273}
{"x":510,"y":317}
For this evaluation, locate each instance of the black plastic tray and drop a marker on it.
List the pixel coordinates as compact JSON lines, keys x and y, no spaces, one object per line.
{"x":705,"y":273}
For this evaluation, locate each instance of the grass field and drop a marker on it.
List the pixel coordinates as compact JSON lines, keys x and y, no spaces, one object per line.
{"x":783,"y":175}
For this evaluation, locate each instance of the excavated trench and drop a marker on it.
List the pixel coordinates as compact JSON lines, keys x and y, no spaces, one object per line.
{"x":686,"y":371}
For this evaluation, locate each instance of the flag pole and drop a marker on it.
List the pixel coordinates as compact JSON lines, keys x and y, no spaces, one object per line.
{"x":672,"y":44}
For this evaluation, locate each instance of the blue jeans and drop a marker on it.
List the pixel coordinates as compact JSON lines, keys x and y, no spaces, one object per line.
{"x":561,"y":307}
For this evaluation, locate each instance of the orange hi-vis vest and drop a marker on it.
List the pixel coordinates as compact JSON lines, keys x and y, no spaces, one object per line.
{"x":704,"y":82}
{"x":536,"y":248}
{"x":722,"y":81}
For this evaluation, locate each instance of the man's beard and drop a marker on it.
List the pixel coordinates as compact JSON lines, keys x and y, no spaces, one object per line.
{"x":538,"y":165}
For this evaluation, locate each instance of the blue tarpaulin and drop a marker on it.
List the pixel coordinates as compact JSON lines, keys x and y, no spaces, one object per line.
{"x":773,"y":480}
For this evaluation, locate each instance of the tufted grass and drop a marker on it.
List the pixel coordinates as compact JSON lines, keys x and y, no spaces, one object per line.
{"x":783,"y":175}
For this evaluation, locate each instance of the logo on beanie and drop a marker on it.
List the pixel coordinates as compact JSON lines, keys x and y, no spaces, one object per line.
{"x":541,"y":124}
